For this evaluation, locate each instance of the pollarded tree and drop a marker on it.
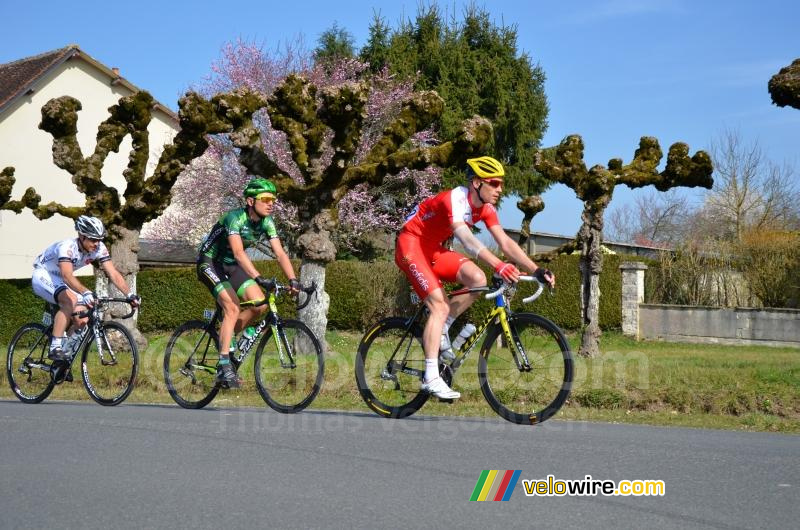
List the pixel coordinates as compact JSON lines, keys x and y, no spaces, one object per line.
{"x":144,"y":198}
{"x":323,"y":127}
{"x":595,"y":187}
{"x":784,"y":87}
{"x":366,"y":211}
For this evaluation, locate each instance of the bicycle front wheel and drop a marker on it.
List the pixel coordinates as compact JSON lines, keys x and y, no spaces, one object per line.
{"x":27,"y":367}
{"x":190,"y":365}
{"x":289,"y":367}
{"x":390,"y":364}
{"x":520,"y":392}
{"x":109,"y":364}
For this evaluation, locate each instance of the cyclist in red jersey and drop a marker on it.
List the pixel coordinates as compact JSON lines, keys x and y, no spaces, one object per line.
{"x":420,"y":254}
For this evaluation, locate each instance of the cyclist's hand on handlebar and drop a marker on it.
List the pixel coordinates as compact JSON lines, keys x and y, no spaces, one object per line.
{"x":267,"y":285}
{"x":507,"y":271}
{"x":134,"y":299}
{"x":294,"y":286}
{"x":88,"y":298}
{"x":545,"y":276}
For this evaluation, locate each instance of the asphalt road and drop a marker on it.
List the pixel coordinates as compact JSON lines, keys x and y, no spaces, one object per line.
{"x":80,"y":465}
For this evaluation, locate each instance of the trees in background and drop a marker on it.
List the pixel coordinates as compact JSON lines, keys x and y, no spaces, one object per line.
{"x":365,"y":213}
{"x":595,"y":187}
{"x":733,"y":247}
{"x":144,"y":198}
{"x":474,"y":64}
{"x":784,"y":87}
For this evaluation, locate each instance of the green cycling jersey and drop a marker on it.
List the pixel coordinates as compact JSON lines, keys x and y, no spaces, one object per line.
{"x":216,"y":246}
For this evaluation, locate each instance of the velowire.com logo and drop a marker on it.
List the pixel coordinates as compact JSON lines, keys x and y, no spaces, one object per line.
{"x":495,"y":485}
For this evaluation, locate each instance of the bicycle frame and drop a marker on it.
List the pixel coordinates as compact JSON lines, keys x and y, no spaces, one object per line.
{"x":272,"y":320}
{"x":95,"y":321}
{"x":500,"y":314}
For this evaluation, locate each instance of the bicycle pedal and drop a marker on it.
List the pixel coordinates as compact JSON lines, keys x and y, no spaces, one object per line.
{"x":68,"y":377}
{"x":443,"y":400}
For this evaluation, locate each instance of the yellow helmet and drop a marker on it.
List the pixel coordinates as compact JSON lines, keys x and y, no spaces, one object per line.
{"x":484,"y":167}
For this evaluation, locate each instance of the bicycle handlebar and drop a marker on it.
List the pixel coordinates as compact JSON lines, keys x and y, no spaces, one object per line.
{"x":282,"y":287}
{"x":103,"y":300}
{"x":494,"y":294}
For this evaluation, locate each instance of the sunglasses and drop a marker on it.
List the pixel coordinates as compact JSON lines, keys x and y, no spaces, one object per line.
{"x":266,"y":200}
{"x":494,"y":183}
{"x":93,"y":240}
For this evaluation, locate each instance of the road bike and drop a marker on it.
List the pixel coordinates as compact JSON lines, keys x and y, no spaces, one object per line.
{"x":109,"y":357}
{"x":289,"y":364}
{"x":525,"y":368}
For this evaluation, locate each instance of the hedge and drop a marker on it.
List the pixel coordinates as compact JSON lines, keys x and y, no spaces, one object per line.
{"x":360,"y":293}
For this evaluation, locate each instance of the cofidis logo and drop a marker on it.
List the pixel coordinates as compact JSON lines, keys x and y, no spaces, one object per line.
{"x":495,"y":485}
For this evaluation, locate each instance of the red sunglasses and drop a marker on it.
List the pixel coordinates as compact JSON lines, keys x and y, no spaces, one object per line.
{"x":495,"y":183}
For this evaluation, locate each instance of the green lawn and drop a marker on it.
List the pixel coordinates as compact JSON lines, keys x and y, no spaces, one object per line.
{"x":726,"y":387}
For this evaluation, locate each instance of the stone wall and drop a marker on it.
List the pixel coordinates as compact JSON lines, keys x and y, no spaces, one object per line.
{"x":770,"y":327}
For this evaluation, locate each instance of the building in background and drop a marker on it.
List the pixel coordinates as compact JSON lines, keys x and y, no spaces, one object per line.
{"x":26,"y":85}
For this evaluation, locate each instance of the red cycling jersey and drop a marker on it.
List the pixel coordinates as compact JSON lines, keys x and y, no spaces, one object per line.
{"x":419,"y":252}
{"x":432,"y":220}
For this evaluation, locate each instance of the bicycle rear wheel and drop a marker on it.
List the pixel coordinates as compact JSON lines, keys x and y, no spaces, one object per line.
{"x":27,"y":367}
{"x":109,"y":364}
{"x":389,"y":367}
{"x":521,"y":395}
{"x":289,"y":370}
{"x":190,"y":365}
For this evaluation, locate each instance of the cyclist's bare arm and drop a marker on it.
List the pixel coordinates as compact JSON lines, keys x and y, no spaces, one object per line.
{"x":282,"y":258}
{"x":237,"y":248}
{"x":116,"y":278}
{"x":473,"y":246}
{"x":68,"y":273}
{"x":510,"y":248}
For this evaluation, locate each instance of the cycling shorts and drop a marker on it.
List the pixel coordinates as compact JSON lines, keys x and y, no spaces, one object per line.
{"x":426,"y":265}
{"x":49,"y":286}
{"x":220,"y":276}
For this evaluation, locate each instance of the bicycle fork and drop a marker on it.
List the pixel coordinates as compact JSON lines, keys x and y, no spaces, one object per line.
{"x":514,"y":344}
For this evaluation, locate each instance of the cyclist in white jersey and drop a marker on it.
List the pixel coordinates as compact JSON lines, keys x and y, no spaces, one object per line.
{"x":54,"y":277}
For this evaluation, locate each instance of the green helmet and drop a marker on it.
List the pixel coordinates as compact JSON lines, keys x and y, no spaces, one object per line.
{"x":259,"y":185}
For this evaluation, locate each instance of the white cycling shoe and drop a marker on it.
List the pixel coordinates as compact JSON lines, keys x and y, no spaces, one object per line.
{"x":439,"y":388}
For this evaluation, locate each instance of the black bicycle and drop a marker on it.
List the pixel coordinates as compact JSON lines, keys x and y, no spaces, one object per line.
{"x":289,"y":363}
{"x":109,"y":358}
{"x":525,"y":367}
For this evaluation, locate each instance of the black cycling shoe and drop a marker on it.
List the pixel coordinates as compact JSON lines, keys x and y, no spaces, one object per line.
{"x":227,"y":376}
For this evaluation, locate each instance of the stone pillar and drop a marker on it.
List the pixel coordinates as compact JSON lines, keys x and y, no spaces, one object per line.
{"x":632,"y":296}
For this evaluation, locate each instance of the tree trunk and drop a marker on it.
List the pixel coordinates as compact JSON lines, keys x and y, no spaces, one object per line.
{"x":530,"y":206}
{"x":317,"y":250}
{"x":124,"y":253}
{"x":315,"y":314}
{"x":591,"y":264}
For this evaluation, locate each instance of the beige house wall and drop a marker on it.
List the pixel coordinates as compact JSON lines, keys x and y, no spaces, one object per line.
{"x":29,"y":150}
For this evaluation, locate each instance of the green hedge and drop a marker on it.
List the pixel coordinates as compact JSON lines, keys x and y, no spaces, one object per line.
{"x":360,"y":294}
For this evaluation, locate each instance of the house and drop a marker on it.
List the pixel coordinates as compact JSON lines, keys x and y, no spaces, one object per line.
{"x":26,"y":85}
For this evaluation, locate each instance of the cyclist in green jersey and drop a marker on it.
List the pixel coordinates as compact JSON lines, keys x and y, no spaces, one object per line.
{"x":225,"y":268}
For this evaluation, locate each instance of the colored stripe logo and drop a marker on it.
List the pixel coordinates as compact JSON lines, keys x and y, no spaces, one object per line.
{"x":495,"y":485}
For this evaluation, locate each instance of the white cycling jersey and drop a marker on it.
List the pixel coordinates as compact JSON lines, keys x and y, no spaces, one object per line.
{"x":69,"y":250}
{"x":47,"y":281}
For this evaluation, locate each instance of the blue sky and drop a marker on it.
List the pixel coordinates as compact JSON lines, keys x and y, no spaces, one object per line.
{"x":679,"y":70}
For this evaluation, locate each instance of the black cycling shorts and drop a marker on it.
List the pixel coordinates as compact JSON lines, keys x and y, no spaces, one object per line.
{"x":220,"y":276}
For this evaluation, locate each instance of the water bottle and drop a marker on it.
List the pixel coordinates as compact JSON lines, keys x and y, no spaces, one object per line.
{"x":465,"y":333}
{"x":71,"y":343}
{"x":248,"y":333}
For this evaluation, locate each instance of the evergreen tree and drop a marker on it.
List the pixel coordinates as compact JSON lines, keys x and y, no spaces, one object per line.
{"x":334,"y":43}
{"x":475,"y":66}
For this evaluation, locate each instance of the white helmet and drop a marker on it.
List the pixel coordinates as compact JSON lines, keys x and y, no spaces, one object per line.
{"x":90,"y":227}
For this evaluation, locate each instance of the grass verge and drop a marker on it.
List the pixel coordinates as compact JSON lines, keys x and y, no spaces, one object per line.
{"x":657,"y":383}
